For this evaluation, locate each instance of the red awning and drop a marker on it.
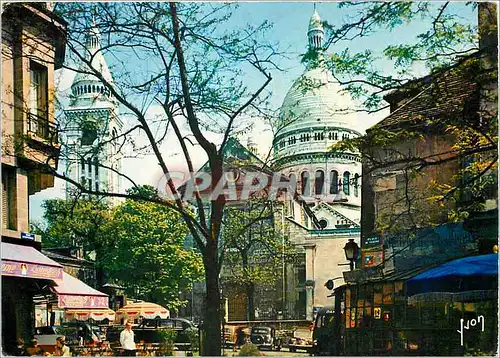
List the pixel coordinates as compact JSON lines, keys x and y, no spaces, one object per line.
{"x":73,"y":293}
{"x":26,"y":261}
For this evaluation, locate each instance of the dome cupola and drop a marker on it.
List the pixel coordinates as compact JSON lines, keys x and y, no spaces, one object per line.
{"x":316,"y":112}
{"x":87,"y":88}
{"x":316,"y":32}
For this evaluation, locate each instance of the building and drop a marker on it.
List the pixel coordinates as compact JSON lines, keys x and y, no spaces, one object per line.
{"x":400,"y":302}
{"x":32,"y":49}
{"x":92,"y":126}
{"x":238,"y":163}
{"x":315,"y":115}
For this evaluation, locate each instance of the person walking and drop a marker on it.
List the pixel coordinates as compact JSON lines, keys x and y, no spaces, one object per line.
{"x":62,"y":350}
{"x":127,"y":340}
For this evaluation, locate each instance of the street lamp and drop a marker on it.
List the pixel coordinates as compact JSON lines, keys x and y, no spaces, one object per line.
{"x":351,"y":250}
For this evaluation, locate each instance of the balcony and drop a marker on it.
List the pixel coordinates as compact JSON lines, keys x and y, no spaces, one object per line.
{"x":40,"y":128}
{"x":40,"y":154}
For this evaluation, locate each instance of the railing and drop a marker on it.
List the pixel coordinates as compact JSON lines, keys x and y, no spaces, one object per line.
{"x":42,"y":128}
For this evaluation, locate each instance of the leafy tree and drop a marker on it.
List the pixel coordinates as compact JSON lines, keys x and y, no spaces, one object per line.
{"x":82,"y":222}
{"x":138,"y":244}
{"x":440,"y":142}
{"x":255,"y":249}
{"x":194,"y":73}
{"x":444,"y":37}
{"x":149,"y":258}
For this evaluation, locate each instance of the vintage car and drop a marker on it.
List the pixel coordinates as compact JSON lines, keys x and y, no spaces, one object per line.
{"x":74,"y":332}
{"x":148,"y":331}
{"x":265,"y":337}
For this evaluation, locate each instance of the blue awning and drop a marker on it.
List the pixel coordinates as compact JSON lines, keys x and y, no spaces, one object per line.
{"x":466,"y":274}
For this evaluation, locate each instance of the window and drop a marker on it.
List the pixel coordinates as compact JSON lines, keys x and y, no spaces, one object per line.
{"x":82,"y":173}
{"x":89,"y":173}
{"x":8,"y":198}
{"x":319,"y":182}
{"x":346,"y":183}
{"x":304,"y":181}
{"x":334,"y":182}
{"x":37,"y":106}
{"x":89,"y":133}
{"x":323,"y":223}
{"x":96,"y":173}
{"x":356,"y":184}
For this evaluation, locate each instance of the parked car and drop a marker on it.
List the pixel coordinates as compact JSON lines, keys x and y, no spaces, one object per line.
{"x":47,"y":335}
{"x":180,"y":325}
{"x":324,"y":332}
{"x":148,"y":329}
{"x":265,"y":337}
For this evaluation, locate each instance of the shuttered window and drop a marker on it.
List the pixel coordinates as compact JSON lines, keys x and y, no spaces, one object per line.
{"x":8,"y":198}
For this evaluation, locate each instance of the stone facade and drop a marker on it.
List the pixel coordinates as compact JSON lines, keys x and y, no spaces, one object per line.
{"x":92,"y":127}
{"x":317,"y":114}
{"x":32,"y":49}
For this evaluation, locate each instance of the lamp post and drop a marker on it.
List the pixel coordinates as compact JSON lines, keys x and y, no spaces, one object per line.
{"x":351,"y":250}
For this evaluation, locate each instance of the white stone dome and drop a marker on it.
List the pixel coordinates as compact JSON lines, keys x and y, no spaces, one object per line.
{"x":316,"y":100}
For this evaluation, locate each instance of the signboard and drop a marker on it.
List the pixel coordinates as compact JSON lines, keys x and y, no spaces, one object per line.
{"x":372,"y":258}
{"x":27,"y":236}
{"x":372,"y":251}
{"x":372,"y":242}
{"x":377,"y":313}
{"x":82,"y":301}
{"x":26,"y":269}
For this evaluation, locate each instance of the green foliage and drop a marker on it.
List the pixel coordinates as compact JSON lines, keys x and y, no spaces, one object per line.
{"x":149,"y":254}
{"x":254,"y":244}
{"x":249,"y":350}
{"x":194,"y":338}
{"x":167,"y":340}
{"x":446,"y":36}
{"x":137,"y":244}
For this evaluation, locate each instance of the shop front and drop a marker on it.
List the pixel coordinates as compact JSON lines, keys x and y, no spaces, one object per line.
{"x":412,"y":316}
{"x":25,"y":273}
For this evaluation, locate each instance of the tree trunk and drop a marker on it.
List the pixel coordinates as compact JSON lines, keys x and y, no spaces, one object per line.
{"x":250,"y":290}
{"x":212,"y":314}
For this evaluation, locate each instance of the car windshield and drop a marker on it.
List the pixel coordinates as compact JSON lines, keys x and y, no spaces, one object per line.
{"x":260,"y":330}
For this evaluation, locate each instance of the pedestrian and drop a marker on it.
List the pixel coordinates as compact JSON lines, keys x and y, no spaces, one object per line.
{"x":35,"y":350}
{"x":19,"y":350}
{"x":81,"y":336}
{"x":62,"y":350}
{"x":240,"y":338}
{"x":127,"y":340}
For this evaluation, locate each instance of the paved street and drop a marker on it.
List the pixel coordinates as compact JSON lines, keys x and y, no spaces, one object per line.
{"x":283,"y":352}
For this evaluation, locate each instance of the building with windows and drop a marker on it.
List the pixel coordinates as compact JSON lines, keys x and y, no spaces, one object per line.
{"x":315,"y":115}
{"x":32,"y":49}
{"x":93,"y":125}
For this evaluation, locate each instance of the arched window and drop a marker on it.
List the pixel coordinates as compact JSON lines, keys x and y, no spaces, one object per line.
{"x":345,"y":183}
{"x":356,"y":184}
{"x":304,"y":182}
{"x":84,"y":89}
{"x":334,"y":182}
{"x":319,"y":182}
{"x":89,"y":89}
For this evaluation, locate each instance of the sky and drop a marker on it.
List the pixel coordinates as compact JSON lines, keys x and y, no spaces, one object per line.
{"x":290,"y":22}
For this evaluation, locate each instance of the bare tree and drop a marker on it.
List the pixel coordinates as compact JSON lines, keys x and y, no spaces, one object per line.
{"x":181,"y":58}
